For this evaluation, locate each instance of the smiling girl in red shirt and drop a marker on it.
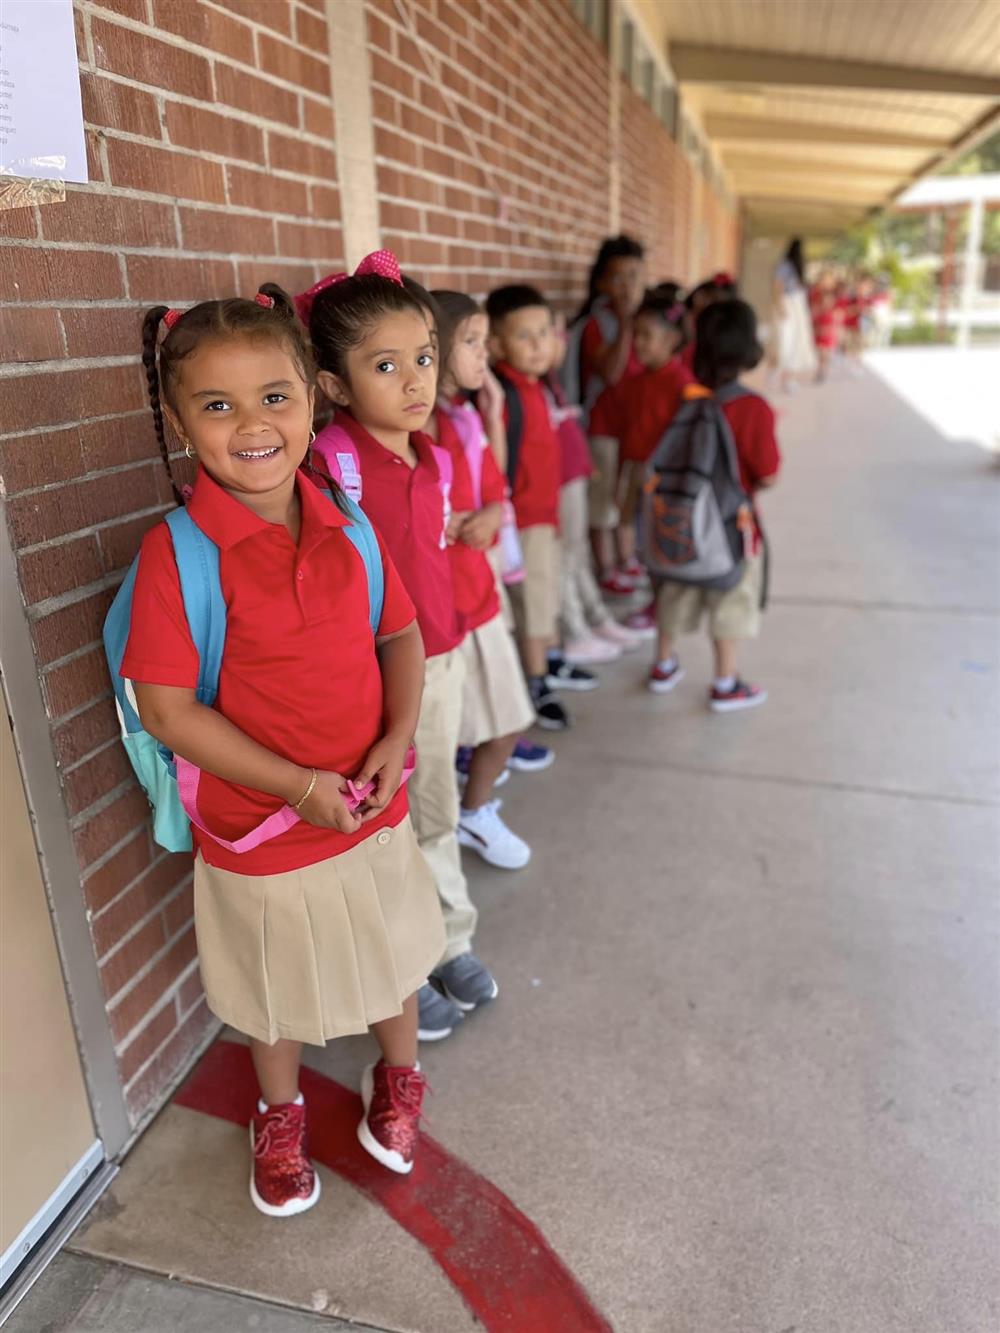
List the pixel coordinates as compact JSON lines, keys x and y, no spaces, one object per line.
{"x":375,"y":340}
{"x":328,"y":928}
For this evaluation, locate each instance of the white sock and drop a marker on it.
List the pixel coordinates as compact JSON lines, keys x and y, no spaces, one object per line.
{"x":669,"y":663}
{"x":724,"y":683}
{"x":263,"y":1108}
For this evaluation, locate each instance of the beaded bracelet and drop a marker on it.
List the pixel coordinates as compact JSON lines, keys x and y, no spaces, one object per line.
{"x":308,"y":791}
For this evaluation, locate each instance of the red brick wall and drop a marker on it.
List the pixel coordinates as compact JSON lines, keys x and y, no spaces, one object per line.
{"x":527,"y":199}
{"x":211,"y":148}
{"x":209,"y":133}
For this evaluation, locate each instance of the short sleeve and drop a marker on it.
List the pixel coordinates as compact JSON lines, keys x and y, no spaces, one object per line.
{"x":591,"y":342}
{"x":160,"y":650}
{"x":397,"y":609}
{"x":494,"y":483}
{"x":757,"y":442}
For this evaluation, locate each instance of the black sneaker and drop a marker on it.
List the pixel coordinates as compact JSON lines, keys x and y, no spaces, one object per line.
{"x":438,"y":1017}
{"x":562,"y":676}
{"x":549,"y":712}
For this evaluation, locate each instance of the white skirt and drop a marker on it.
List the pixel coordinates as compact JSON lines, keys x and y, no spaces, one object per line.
{"x":795,"y":350}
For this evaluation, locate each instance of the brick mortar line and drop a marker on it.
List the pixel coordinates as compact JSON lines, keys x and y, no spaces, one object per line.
{"x":92,"y":529}
{"x":76,"y":655}
{"x":163,"y":252}
{"x":142,"y":973}
{"x":21,"y":369}
{"x":107,"y":132}
{"x":89,"y":812}
{"x":102,"y":803}
{"x":140,"y":1027}
{"x":90,"y":10}
{"x":81,"y":421}
{"x":41,"y":610}
{"x":159,"y":908}
{"x":102,"y":188}
{"x":100,"y":861}
{"x":70,"y":716}
{"x":113,"y":902}
{"x":173,"y":992}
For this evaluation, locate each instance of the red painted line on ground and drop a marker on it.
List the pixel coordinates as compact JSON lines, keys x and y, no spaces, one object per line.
{"x":496,"y":1258}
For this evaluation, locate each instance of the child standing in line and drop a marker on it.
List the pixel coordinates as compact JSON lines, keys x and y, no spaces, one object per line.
{"x":719,"y":287}
{"x":496,"y":706}
{"x":376,"y":347}
{"x":600,"y":353}
{"x":727,"y":346}
{"x":330,"y":927}
{"x":521,"y":340}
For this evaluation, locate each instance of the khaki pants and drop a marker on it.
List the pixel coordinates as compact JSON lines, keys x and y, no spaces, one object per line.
{"x":434,"y":796}
{"x":580,"y":602}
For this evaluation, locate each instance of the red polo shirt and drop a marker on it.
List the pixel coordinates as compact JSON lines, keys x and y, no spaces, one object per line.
{"x":590,"y":346}
{"x":539,"y":460}
{"x":637,"y":411}
{"x":407,"y":507}
{"x":299,"y":673}
{"x":472,"y":574}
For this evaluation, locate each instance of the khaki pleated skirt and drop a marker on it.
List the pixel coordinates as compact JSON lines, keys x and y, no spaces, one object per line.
{"x":495,"y":699}
{"x":321,"y":952}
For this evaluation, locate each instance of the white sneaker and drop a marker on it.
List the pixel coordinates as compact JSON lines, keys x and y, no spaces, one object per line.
{"x":590,"y":651}
{"x":485,"y":832}
{"x":624,"y":639}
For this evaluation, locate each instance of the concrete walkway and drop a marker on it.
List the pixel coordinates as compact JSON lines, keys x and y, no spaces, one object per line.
{"x":743,"y":1070}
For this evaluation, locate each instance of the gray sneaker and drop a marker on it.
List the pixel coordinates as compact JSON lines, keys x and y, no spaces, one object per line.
{"x":438,"y":1017}
{"x":467,"y":983}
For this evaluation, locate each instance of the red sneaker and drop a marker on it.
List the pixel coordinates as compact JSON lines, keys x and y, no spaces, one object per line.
{"x":740,"y":696}
{"x":663,"y":679}
{"x":392,"y":1098}
{"x":617,"y":584}
{"x":282,"y":1180}
{"x":643,"y":622}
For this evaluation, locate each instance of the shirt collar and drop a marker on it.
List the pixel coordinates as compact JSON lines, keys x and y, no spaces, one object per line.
{"x":228,"y":522}
{"x":423,"y":445}
{"x":517,"y":377}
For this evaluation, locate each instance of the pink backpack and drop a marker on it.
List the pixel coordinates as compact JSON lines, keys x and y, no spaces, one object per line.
{"x":469,"y":429}
{"x":343,"y":464}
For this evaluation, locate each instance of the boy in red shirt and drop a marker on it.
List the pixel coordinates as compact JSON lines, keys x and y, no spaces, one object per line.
{"x":726,"y":345}
{"x":521,"y":341}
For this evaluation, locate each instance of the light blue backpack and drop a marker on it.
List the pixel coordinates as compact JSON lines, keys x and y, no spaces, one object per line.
{"x":172,"y":785}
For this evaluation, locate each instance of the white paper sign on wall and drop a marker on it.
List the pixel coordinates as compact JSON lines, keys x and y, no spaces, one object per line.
{"x":41,"y":115}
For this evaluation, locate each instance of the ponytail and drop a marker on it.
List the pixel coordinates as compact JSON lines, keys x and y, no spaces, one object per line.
{"x":150,"y":333}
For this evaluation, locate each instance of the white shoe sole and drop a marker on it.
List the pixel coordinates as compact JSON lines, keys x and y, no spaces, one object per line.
{"x":665,"y":686}
{"x":547,"y":724}
{"x":387,"y":1156}
{"x":434,"y":1034}
{"x":470,"y":840}
{"x":289,"y":1209}
{"x":531,"y":765}
{"x":737,"y":705}
{"x":464,"y":1005}
{"x":577,"y":686}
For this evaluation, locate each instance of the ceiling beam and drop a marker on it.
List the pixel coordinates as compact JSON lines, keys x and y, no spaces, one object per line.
{"x":726,"y":126}
{"x":818,"y":188}
{"x":721,"y":64}
{"x":737,"y":161}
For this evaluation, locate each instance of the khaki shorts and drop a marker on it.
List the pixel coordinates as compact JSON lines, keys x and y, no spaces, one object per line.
{"x":604,"y":482}
{"x":495,"y":699}
{"x":536,"y":599}
{"x":734,"y":614}
{"x":320,"y":952}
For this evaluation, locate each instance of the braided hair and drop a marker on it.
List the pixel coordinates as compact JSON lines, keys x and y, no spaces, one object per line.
{"x":234,"y":317}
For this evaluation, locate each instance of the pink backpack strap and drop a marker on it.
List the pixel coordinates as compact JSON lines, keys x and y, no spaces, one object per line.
{"x":189,"y":779}
{"x":469,"y":429}
{"x":446,"y":474}
{"x":340,"y":456}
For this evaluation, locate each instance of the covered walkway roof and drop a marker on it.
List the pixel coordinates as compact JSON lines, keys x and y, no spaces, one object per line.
{"x":824,"y":109}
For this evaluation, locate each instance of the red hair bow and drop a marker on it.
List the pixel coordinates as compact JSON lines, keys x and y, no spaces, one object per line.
{"x":380,"y":264}
{"x":723,"y":279}
{"x":172,"y":316}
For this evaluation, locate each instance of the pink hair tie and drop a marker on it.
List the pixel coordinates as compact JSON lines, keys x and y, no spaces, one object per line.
{"x":380,"y":264}
{"x":171,"y":317}
{"x":675,"y":313}
{"x":266,"y":301}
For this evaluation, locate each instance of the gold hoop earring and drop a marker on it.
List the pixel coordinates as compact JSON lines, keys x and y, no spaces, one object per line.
{"x":189,"y":451}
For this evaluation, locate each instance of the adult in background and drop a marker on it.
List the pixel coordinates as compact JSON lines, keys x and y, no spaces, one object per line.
{"x":793,"y":350}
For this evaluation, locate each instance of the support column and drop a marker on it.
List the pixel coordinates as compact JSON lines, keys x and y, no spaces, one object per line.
{"x":350,"y":72}
{"x":970,"y":269}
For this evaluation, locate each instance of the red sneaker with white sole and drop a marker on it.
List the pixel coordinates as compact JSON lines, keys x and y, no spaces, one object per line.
{"x":392,"y":1097}
{"x":740,"y":696}
{"x":283,"y":1181}
{"x":643,"y":622}
{"x":617,"y":584}
{"x":662,"y":680}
